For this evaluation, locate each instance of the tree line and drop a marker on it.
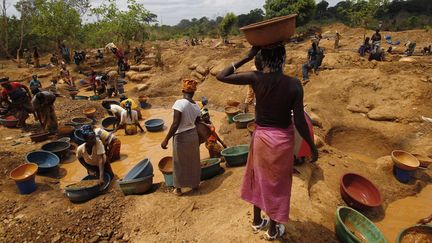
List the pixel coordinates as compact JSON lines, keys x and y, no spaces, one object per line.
{"x":46,"y":23}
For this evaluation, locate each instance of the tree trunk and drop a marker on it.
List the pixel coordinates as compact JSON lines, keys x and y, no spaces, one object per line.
{"x":5,"y":28}
{"x":21,"y":42}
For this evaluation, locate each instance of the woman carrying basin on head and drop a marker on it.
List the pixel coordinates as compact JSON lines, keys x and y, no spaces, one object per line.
{"x":186,"y":154}
{"x":268,"y":177}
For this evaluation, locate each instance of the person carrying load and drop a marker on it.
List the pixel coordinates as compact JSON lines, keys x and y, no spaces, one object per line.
{"x":268,"y":176}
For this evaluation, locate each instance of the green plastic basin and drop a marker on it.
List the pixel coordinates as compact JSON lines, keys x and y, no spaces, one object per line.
{"x":419,"y":233}
{"x":210,"y":168}
{"x":243,"y":119}
{"x":353,"y":227}
{"x":236,"y":156}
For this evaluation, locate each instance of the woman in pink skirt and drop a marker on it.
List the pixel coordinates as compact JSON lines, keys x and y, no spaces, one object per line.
{"x":268,"y":177}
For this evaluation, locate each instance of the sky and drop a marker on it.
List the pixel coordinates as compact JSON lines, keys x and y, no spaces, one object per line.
{"x":170,"y":12}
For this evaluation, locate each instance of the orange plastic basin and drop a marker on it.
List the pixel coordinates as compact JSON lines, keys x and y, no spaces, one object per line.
{"x":270,"y":31}
{"x":24,"y":172}
{"x":404,"y":160}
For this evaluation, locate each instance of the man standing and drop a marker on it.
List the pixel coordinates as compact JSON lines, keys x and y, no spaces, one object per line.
{"x":43,"y":105}
{"x":18,"y":97}
{"x":36,"y":57}
{"x":337,"y":39}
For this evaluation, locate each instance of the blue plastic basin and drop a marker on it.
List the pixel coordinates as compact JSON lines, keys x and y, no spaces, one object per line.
{"x":403,"y":176}
{"x":143,"y":169}
{"x":136,"y":186}
{"x":154,"y":125}
{"x":87,"y":193}
{"x":78,"y":137}
{"x":44,"y":159}
{"x":108,"y":122}
{"x":59,"y":148}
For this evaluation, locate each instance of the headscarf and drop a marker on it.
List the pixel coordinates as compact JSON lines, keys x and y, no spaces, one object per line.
{"x":189,"y":85}
{"x":87,"y":134}
{"x":204,"y":112}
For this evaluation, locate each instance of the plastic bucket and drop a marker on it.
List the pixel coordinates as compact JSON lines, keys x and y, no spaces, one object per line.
{"x":403,"y":176}
{"x":143,"y":104}
{"x":230,"y":118}
{"x":28,"y":186}
{"x":169,"y":181}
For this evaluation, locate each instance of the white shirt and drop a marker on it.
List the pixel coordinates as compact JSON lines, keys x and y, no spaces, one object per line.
{"x":189,"y":112}
{"x":98,"y":152}
{"x":116,"y":109}
{"x":125,"y":119}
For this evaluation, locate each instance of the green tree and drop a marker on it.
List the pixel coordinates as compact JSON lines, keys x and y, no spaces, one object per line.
{"x":56,"y":20}
{"x":305,"y":9}
{"x":321,"y":9}
{"x":228,"y":22}
{"x":253,"y":16}
{"x":127,"y":24}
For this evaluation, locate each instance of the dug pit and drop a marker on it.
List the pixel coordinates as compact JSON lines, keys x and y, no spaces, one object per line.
{"x":361,"y":143}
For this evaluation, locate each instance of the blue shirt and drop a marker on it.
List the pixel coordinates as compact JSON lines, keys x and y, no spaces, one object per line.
{"x":36,"y":83}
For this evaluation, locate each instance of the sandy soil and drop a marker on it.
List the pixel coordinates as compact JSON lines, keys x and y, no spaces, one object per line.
{"x":362,"y":110}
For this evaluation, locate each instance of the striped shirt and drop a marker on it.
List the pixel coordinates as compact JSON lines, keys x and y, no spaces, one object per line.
{"x":104,"y":136}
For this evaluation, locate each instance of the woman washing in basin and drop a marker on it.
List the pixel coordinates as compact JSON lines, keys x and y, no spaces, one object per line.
{"x":91,"y":155}
{"x":129,"y":120}
{"x":268,"y":177}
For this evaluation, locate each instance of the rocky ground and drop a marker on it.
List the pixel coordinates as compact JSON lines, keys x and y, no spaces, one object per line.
{"x":362,"y":111}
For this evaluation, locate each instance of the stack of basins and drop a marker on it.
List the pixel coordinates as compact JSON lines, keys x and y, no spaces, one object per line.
{"x":405,"y":165}
{"x":139,"y":179}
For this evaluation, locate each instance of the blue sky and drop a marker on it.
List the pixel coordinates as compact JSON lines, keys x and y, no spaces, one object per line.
{"x":172,"y":11}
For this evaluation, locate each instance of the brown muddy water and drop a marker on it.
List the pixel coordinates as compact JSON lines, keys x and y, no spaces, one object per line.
{"x":405,"y":213}
{"x":137,"y":147}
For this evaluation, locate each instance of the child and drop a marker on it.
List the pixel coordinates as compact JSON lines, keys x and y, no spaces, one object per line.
{"x":211,"y":144}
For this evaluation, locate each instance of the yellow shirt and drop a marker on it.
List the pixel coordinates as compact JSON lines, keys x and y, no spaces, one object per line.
{"x":134,"y":105}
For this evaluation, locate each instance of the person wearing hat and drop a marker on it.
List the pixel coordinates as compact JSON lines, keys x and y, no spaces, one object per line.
{"x":186,"y":154}
{"x":129,"y":119}
{"x":124,"y":99}
{"x":18,"y":96}
{"x":212,"y":142}
{"x":43,"y":105}
{"x":35,"y":82}
{"x":91,"y":154}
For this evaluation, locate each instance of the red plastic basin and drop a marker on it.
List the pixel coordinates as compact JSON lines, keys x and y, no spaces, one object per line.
{"x":360,"y":193}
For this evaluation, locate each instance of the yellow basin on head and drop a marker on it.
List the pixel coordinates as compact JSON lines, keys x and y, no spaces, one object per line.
{"x":404,"y":160}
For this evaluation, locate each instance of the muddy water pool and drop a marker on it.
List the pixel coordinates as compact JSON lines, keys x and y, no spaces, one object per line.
{"x":405,"y":213}
{"x":137,"y":147}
